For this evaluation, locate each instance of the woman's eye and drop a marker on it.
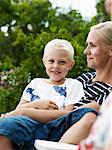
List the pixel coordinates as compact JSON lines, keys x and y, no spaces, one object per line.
{"x":93,"y":45}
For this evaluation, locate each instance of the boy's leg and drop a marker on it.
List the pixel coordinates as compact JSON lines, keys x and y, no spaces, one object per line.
{"x":20,"y":130}
{"x":23,"y":131}
{"x":5,"y":143}
{"x":79,"y":130}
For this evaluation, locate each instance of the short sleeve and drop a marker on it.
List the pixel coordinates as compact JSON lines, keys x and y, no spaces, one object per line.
{"x":28,"y":91}
{"x":74,"y":93}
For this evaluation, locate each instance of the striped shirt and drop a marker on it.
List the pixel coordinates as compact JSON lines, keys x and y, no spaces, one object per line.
{"x":97,"y":90}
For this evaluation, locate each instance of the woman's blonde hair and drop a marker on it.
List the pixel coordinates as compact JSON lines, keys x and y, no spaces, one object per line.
{"x":105,"y":30}
{"x":59,"y":44}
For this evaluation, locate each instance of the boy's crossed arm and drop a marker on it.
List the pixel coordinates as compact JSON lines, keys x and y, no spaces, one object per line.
{"x":43,"y":115}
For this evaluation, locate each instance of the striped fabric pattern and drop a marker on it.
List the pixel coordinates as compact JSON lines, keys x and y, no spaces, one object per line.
{"x":97,"y":90}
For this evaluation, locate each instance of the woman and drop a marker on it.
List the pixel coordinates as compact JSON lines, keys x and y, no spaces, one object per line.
{"x":96,"y":88}
{"x":99,"y":57}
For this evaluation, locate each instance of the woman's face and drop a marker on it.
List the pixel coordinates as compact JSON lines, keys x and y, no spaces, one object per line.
{"x":96,"y":50}
{"x":108,"y":6}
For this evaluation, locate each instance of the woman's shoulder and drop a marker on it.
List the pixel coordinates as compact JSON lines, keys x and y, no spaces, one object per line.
{"x":86,"y":76}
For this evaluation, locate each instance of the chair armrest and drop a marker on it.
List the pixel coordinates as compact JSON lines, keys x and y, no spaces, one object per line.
{"x":50,"y":145}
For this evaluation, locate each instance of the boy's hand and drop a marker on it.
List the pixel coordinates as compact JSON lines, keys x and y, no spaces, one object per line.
{"x":46,"y":104}
{"x":12,"y":113}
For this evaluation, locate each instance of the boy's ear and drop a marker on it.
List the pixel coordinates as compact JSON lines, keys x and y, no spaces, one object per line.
{"x":71,"y":64}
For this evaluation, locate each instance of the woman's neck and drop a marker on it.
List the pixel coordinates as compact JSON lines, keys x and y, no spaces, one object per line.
{"x":105,"y":73}
{"x":104,"y":76}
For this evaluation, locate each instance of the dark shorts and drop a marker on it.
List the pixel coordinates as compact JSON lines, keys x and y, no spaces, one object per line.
{"x":23,"y":131}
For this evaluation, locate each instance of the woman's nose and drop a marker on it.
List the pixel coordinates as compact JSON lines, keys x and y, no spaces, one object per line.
{"x":87,"y":51}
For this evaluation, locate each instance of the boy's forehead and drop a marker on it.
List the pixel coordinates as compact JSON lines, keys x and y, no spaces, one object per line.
{"x":57,"y":50}
{"x":59,"y":53}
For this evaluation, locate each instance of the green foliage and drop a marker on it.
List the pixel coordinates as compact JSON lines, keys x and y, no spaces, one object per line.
{"x":30,"y":25}
{"x":101,"y":14}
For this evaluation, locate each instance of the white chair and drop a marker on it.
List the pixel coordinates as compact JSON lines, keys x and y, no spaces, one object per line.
{"x":50,"y":145}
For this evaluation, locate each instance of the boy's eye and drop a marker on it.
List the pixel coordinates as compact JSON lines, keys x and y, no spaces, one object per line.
{"x":51,"y":61}
{"x":62,"y":62}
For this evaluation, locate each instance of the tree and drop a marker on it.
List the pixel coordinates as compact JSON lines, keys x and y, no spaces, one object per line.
{"x":101,"y":13}
{"x":30,"y":25}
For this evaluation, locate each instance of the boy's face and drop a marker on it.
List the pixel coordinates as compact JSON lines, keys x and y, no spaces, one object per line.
{"x":57,"y":64}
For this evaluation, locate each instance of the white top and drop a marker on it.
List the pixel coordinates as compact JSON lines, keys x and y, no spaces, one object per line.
{"x":68,"y":93}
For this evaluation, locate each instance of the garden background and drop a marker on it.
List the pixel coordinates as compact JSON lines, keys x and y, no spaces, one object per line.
{"x":29,"y":25}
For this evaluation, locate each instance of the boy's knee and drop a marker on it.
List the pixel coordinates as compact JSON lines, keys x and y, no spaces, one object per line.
{"x":5,"y":143}
{"x":4,"y":139}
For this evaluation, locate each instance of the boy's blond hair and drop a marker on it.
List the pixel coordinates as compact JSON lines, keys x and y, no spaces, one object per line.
{"x":59,"y":44}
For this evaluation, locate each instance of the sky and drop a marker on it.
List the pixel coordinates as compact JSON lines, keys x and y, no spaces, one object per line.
{"x":85,"y":7}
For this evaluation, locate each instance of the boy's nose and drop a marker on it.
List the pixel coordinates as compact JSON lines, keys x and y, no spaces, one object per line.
{"x":55,"y":65}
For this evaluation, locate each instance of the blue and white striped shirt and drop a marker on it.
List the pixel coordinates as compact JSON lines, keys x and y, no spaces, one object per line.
{"x":97,"y":90}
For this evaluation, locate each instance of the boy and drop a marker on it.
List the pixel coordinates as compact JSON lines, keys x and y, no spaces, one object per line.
{"x":56,"y":92}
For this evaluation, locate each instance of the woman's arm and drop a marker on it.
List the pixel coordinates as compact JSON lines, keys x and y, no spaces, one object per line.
{"x":93,"y":104}
{"x":79,"y":130}
{"x":69,"y":107}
